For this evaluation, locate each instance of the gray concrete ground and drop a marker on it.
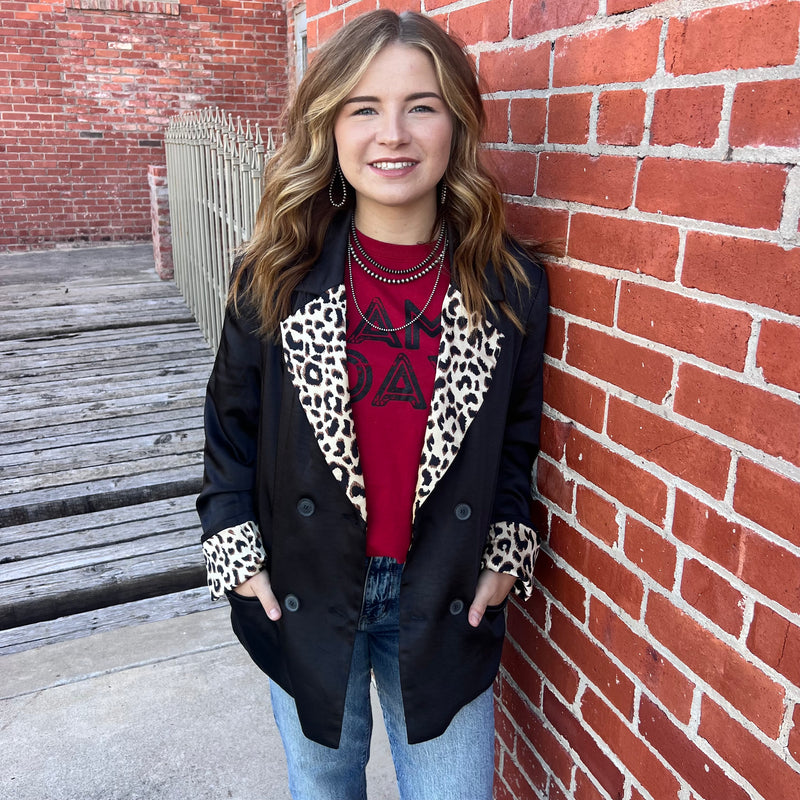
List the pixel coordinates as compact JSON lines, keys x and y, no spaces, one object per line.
{"x":170,"y":709}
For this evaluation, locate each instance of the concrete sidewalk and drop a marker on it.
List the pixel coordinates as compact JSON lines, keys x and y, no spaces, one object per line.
{"x":148,"y":712}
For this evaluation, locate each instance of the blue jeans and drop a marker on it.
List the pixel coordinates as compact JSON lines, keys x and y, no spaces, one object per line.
{"x":458,"y":765}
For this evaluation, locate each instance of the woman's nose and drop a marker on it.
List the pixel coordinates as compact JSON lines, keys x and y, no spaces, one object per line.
{"x":393,"y":130}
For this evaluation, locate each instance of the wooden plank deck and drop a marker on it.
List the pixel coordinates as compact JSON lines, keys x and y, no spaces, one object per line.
{"x":101,"y":391}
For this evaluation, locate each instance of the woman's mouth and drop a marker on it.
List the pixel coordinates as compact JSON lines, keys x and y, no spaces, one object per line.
{"x":392,"y":165}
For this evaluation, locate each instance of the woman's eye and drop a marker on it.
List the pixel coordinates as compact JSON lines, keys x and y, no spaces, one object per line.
{"x":425,"y":109}
{"x":363,"y":111}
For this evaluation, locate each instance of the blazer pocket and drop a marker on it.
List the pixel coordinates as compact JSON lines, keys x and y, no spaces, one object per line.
{"x":498,"y":609}
{"x":259,"y":635}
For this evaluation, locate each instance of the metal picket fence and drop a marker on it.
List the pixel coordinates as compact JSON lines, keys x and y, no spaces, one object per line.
{"x":215,"y":167}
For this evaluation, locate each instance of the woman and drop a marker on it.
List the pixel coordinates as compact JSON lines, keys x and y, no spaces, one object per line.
{"x":373,"y":417}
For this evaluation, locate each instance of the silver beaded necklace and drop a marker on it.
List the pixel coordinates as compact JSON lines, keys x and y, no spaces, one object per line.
{"x":427,"y":261}
{"x":440,"y":258}
{"x":382,"y":278}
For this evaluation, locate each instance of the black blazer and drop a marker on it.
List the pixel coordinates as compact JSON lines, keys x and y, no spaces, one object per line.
{"x":281,"y":451}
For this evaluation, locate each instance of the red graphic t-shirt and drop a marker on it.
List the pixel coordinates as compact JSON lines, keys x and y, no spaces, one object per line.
{"x":391,"y":375}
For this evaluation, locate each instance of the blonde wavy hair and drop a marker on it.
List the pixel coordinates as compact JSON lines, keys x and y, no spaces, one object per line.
{"x":295,"y":210}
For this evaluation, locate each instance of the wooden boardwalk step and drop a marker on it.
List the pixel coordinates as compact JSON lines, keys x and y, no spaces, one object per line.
{"x":74,"y":626}
{"x":101,"y":443}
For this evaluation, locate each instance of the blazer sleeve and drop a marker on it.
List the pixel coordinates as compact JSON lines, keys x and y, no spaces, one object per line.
{"x":231,"y":539}
{"x":512,"y":543}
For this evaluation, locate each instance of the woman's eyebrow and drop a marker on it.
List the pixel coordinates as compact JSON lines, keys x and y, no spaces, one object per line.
{"x":408,"y":98}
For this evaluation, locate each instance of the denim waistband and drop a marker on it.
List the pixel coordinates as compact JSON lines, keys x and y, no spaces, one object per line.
{"x":381,"y":588}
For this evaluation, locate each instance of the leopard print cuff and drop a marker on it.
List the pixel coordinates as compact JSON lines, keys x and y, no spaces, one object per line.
{"x":232,"y":556}
{"x":512,"y":547}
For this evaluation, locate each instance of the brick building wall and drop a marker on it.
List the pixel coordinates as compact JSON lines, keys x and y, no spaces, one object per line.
{"x":655,"y":146}
{"x":86,"y":88}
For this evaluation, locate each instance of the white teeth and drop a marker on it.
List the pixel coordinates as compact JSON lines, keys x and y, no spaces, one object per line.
{"x":392,"y":164}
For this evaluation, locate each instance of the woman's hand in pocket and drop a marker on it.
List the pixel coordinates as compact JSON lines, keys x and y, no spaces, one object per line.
{"x":260,"y":587}
{"x":493,"y":588}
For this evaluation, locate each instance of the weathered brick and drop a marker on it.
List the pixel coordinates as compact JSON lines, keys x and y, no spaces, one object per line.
{"x":708,"y":532}
{"x":743,"y":412}
{"x":531,"y":18}
{"x":769,"y":774}
{"x":496,"y":121}
{"x":540,"y":738}
{"x":608,"y":575}
{"x":769,"y":499}
{"x":568,"y":118}
{"x":501,"y":790}
{"x":537,"y":607}
{"x":556,"y":336}
{"x":412,"y":5}
{"x":688,"y":116}
{"x":651,"y":552}
{"x":630,"y":366}
{"x":528,"y":120}
{"x":585,"y":788}
{"x":605,"y":181}
{"x":553,"y":437}
{"x":572,"y":729}
{"x":575,"y":398}
{"x":547,"y":227}
{"x":712,"y":596}
{"x":430,"y":5}
{"x":328,"y":24}
{"x":615,"y":55}
{"x":776,"y":641}
{"x":504,"y":732}
{"x":756,"y":272}
{"x":700,"y":771}
{"x":564,"y":589}
{"x":635,"y":488}
{"x":748,"y":195}
{"x":121,"y":74}
{"x":778,"y":346}
{"x":628,"y":747}
{"x":596,"y":514}
{"x":620,"y":7}
{"x":551,"y":484}
{"x":541,"y":652}
{"x":761,"y":34}
{"x":794,"y":736}
{"x":531,"y":767}
{"x":483,"y":22}
{"x":640,"y":656}
{"x":593,"y":663}
{"x":515,"y":170}
{"x":584,"y":294}
{"x":741,"y":683}
{"x":522,"y":673}
{"x":354,"y":10}
{"x":715,"y":333}
{"x":641,"y":247}
{"x":772,"y":570}
{"x":620,"y":117}
{"x":515,"y":68}
{"x":766,"y":113}
{"x":517,"y":781}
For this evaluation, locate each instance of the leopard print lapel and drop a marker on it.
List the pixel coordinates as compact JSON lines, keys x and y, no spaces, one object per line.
{"x":315,"y":351}
{"x":464,"y":369}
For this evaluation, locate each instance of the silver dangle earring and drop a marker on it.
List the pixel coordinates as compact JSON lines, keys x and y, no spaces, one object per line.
{"x":443,"y":193}
{"x":337,"y":173}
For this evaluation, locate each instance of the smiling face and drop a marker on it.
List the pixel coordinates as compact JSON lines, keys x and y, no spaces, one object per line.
{"x":393,"y":136}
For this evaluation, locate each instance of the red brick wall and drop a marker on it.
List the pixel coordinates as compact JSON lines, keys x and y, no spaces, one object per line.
{"x":660,"y":656}
{"x":85,"y":94}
